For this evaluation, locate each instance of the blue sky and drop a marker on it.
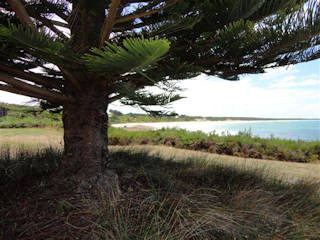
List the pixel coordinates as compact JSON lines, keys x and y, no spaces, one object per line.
{"x":292,"y":91}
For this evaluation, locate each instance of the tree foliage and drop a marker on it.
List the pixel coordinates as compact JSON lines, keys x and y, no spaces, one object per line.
{"x":53,"y":50}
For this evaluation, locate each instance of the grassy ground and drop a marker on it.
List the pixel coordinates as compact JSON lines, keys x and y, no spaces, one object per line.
{"x":287,"y":171}
{"x":35,"y":138}
{"x":31,"y":137}
{"x":165,"y":194}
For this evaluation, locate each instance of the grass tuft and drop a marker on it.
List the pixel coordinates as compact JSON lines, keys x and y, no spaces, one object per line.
{"x":161,"y":198}
{"x":21,"y":163}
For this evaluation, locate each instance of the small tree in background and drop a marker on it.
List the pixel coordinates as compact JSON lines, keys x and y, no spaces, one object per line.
{"x":84,"y":54}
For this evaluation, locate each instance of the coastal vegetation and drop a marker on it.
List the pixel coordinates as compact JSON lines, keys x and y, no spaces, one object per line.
{"x":22,"y":116}
{"x":26,"y":124}
{"x":242,"y":145}
{"x":164,"y":195}
{"x":165,"y":192}
{"x":118,"y":117}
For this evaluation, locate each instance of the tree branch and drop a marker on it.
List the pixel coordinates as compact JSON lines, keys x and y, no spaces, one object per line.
{"x":47,"y":22}
{"x":143,"y":14}
{"x":109,"y":21}
{"x":21,"y":12}
{"x":51,"y":26}
{"x":148,"y":6}
{"x":282,"y":45}
{"x":60,"y":14}
{"x":60,"y":24}
{"x":10,"y":89}
{"x":33,"y":77}
{"x":71,"y":78}
{"x":114,"y":98}
{"x":33,"y":90}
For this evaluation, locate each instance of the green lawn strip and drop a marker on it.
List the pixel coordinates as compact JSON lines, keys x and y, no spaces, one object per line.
{"x":21,"y":132}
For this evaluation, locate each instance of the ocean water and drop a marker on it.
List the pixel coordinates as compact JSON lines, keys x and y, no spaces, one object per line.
{"x":308,"y":130}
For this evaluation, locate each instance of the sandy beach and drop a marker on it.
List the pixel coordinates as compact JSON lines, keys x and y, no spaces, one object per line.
{"x":147,"y":126}
{"x":133,"y":127}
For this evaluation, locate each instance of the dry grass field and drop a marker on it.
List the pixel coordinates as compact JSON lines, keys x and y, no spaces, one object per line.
{"x":31,"y":137}
{"x":166,"y":193}
{"x":290,"y":171}
{"x":42,"y":137}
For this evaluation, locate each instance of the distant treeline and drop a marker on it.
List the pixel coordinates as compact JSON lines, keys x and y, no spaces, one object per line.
{"x":18,"y":116}
{"x":118,"y":117}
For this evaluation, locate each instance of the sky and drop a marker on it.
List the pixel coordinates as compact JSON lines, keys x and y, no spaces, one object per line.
{"x":286,"y":92}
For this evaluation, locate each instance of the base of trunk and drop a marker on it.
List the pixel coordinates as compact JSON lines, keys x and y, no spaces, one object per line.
{"x":86,"y":157}
{"x":105,"y":182}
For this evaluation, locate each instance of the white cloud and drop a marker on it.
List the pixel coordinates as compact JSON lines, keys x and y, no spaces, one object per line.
{"x":310,"y":82}
{"x":13,"y":98}
{"x":284,"y":82}
{"x":275,"y":73}
{"x":292,"y":81}
{"x":216,"y":97}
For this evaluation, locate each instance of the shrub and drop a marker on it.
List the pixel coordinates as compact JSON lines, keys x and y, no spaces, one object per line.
{"x":242,"y":145}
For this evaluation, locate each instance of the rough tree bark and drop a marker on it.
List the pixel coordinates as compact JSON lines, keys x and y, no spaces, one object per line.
{"x":85,"y":142}
{"x":85,"y":121}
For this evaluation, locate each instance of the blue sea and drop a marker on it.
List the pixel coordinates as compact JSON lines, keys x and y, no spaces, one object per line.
{"x":308,"y":130}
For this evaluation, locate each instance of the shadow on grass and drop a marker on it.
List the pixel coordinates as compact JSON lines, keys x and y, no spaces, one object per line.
{"x":162,"y":199}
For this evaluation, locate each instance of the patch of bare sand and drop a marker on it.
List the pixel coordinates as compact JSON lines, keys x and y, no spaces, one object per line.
{"x":137,"y":128}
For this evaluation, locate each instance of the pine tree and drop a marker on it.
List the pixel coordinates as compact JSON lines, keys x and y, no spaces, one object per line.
{"x":84,"y":54}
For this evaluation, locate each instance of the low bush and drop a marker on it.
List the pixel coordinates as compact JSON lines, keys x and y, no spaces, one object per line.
{"x":241,"y":145}
{"x":28,"y":117}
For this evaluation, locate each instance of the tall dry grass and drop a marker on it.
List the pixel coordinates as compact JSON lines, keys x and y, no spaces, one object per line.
{"x":164,"y":195}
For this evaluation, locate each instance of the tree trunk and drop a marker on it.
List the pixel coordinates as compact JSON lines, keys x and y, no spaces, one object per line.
{"x":85,"y":142}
